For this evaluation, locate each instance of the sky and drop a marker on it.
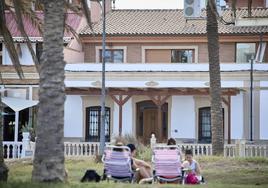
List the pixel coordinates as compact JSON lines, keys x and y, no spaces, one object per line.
{"x":152,"y":4}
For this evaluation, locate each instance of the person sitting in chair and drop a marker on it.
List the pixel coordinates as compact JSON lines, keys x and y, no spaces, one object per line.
{"x":145,"y":171}
{"x":172,"y":142}
{"x":192,"y":168}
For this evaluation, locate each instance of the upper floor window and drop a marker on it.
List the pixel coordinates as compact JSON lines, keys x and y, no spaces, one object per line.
{"x":245,"y":51}
{"x":182,"y":56}
{"x":113,"y":56}
{"x":1,"y":53}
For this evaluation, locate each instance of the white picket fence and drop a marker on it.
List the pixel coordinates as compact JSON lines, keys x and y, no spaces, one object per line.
{"x":86,"y":149}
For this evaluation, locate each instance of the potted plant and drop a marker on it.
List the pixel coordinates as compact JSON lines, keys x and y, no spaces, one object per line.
{"x":26,"y":129}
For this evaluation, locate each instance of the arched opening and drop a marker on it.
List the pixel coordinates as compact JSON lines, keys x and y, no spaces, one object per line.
{"x":147,"y":121}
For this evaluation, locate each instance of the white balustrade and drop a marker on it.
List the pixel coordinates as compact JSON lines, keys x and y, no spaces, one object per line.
{"x":198,"y":149}
{"x":256,"y":150}
{"x":12,"y":150}
{"x":81,"y":148}
{"x":229,"y":150}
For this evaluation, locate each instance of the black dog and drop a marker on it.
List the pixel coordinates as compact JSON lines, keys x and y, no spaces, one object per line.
{"x":91,"y":175}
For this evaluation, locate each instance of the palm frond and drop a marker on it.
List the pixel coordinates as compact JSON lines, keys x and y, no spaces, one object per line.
{"x":87,"y":14}
{"x":75,"y":8}
{"x":28,"y":12}
{"x":18,"y":5}
{"x":38,"y":5}
{"x":69,"y":28}
{"x":8,"y":41}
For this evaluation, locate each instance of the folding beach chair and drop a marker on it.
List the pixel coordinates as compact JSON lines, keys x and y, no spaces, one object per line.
{"x":117,"y":164}
{"x":167,"y":164}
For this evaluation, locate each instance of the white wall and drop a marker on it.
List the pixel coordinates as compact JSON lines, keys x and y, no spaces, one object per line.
{"x":73,"y":56}
{"x":115,"y":130}
{"x":237,"y":116}
{"x":25,"y":59}
{"x":264,"y":114}
{"x":127,"y":118}
{"x":73,"y":116}
{"x":183,"y":117}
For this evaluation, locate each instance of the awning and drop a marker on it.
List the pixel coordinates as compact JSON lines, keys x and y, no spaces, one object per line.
{"x":18,"y":104}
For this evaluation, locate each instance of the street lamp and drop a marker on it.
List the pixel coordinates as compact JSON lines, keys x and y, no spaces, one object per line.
{"x":103,"y":93}
{"x":251,"y":98}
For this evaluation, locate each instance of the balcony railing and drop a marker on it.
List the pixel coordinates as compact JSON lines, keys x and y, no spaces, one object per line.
{"x":162,"y":67}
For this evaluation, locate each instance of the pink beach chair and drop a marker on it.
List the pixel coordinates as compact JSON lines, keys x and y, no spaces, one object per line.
{"x":167,"y":164}
{"x":117,"y":163}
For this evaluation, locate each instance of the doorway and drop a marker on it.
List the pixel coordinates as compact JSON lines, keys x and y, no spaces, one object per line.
{"x":9,"y":123}
{"x":147,"y":121}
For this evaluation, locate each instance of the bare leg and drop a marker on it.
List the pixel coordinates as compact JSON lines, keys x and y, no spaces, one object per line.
{"x":145,"y":172}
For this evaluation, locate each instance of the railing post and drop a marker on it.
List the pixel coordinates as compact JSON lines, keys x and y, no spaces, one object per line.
{"x":152,"y":141}
{"x":240,"y":148}
{"x":225,"y":150}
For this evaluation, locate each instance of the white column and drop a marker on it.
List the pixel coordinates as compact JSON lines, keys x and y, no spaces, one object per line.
{"x":25,"y":143}
{"x":16,"y":126}
{"x":30,"y":92}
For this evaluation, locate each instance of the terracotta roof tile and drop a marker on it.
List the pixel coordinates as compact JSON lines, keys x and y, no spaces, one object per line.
{"x":72,"y":19}
{"x":169,"y":22}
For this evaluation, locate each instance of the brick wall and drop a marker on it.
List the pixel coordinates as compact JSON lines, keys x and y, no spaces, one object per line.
{"x":227,"y":52}
{"x":90,"y":52}
{"x":134,"y":52}
{"x":244,"y":3}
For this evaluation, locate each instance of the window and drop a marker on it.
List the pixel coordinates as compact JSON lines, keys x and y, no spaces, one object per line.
{"x":182,"y":56}
{"x":93,"y":124}
{"x":205,"y":124}
{"x":1,"y":53}
{"x":244,"y":52}
{"x":113,"y":56}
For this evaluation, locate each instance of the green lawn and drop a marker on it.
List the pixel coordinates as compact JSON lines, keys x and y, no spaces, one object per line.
{"x":219,"y":172}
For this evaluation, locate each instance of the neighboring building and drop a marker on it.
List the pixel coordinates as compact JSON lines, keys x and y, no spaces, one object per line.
{"x":244,"y":4}
{"x":21,"y":95}
{"x":157,"y":77}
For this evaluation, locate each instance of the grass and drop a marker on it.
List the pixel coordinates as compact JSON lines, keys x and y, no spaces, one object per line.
{"x":218,"y":171}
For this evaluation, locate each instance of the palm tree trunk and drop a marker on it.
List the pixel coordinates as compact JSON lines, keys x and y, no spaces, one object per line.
{"x":249,"y":8}
{"x":49,"y":151}
{"x":3,"y":167}
{"x":215,"y":79}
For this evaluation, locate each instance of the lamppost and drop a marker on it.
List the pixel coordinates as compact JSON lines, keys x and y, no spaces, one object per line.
{"x":103,"y":93}
{"x":251,"y":98}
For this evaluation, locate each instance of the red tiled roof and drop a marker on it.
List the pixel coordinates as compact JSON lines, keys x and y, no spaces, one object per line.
{"x":72,"y":19}
{"x":170,"y":22}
